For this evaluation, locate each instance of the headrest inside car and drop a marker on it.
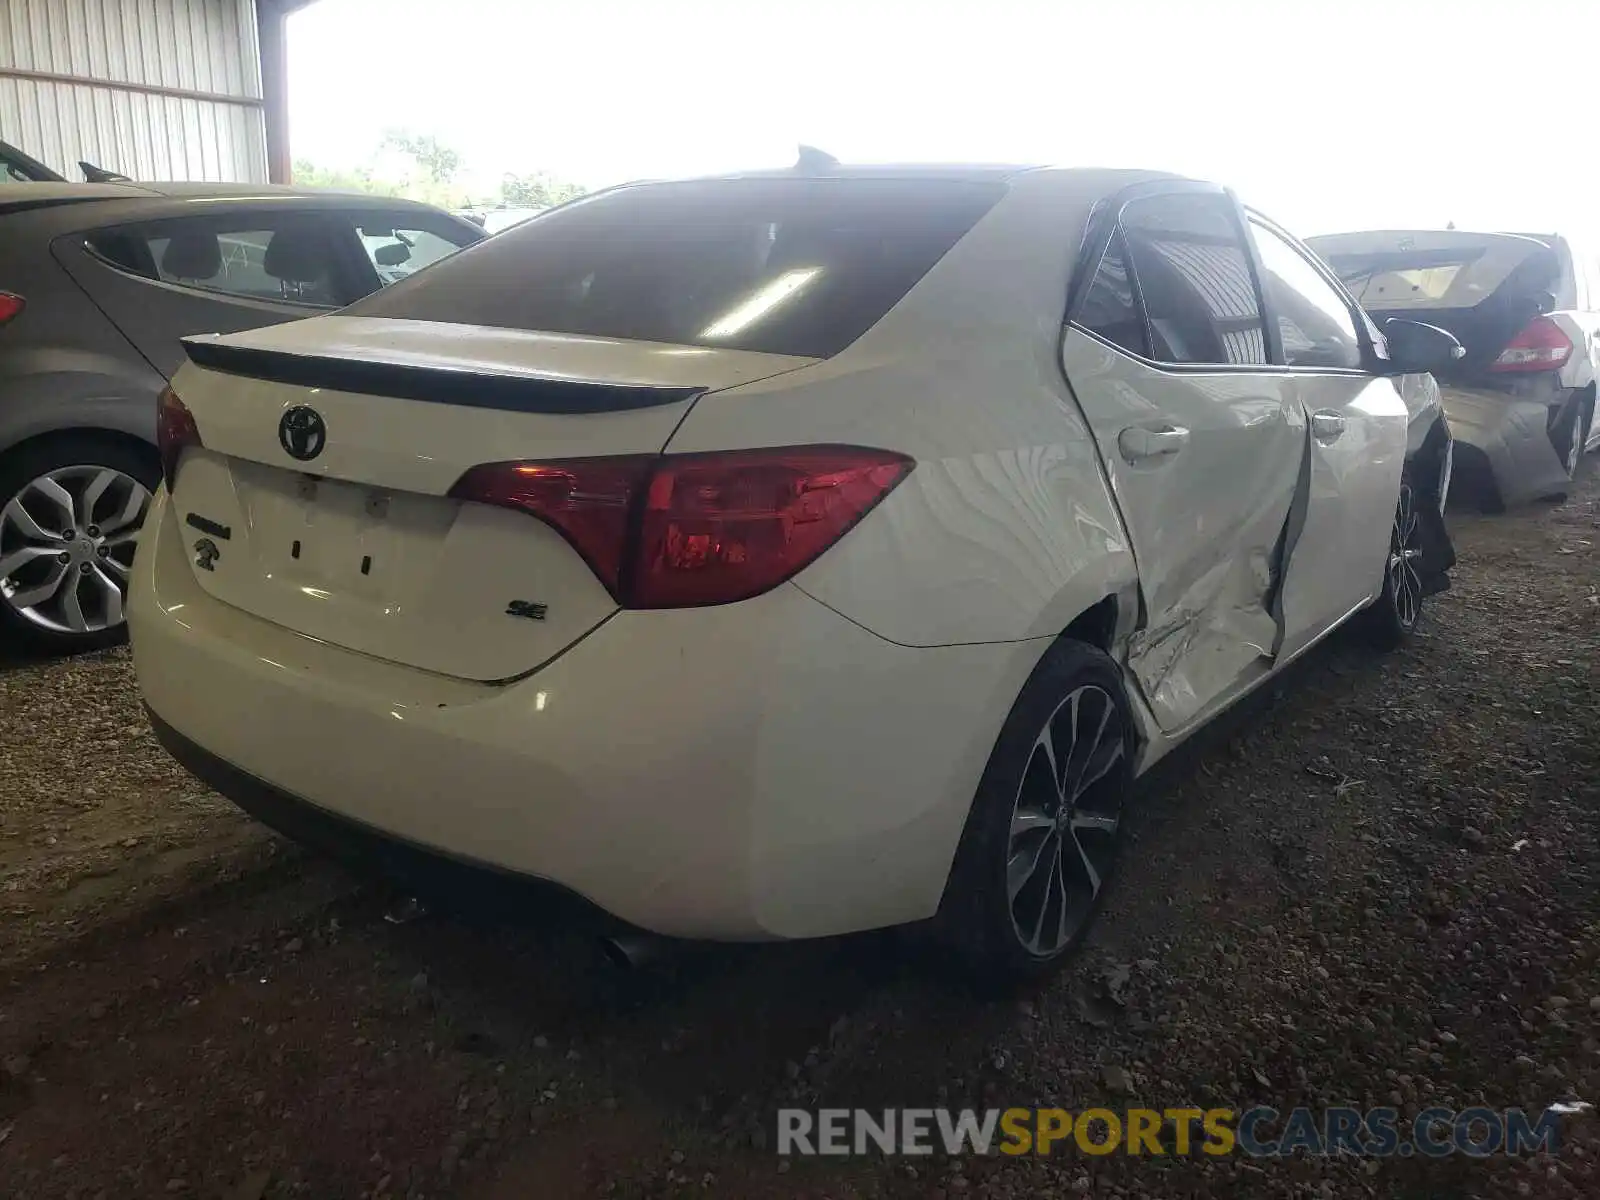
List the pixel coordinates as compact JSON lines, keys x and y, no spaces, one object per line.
{"x":296,"y":255}
{"x":192,"y":255}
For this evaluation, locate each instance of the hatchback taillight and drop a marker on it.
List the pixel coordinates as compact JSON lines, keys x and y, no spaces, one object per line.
{"x":11,"y":305}
{"x":175,"y":433}
{"x":680,"y":531}
{"x":1541,"y":346}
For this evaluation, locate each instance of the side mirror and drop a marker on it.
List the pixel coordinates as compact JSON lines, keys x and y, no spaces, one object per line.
{"x":1415,"y":348}
{"x":392,"y":256}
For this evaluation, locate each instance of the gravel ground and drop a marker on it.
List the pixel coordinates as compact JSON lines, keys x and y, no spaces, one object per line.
{"x":1375,"y":887}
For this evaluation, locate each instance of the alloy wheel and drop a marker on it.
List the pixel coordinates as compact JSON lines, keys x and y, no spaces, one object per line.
{"x":66,"y":547}
{"x":1575,"y":445}
{"x":1405,"y":555}
{"x":1064,"y":821}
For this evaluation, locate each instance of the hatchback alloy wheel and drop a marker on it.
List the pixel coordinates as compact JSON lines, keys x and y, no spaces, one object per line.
{"x":1574,"y":443}
{"x":66,"y":548}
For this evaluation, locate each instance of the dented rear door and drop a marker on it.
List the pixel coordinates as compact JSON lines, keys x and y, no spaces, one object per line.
{"x":1202,"y":440}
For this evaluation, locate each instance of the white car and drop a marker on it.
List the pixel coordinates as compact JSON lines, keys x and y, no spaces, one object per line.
{"x":781,"y":555}
{"x":1526,"y":308}
{"x":498,"y":220}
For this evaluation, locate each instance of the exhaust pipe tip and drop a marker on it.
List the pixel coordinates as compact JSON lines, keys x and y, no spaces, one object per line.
{"x":630,"y":952}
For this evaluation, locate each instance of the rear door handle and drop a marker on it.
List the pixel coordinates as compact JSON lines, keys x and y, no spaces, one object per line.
{"x":1139,"y":444}
{"x":1327,"y":425}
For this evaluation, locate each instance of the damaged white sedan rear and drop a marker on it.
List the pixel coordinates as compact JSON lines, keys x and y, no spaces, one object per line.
{"x":783,"y":555}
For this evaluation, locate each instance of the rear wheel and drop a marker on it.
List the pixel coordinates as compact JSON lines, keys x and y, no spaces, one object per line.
{"x":1567,"y":439}
{"x":1042,"y":837}
{"x":1571,"y":440}
{"x":1393,"y":616}
{"x":70,"y":513}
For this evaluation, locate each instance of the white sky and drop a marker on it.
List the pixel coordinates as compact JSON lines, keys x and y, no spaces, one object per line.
{"x":1327,"y":114}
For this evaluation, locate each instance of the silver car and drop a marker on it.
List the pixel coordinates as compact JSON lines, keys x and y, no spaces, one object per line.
{"x":1526,"y":308}
{"x":100,"y":282}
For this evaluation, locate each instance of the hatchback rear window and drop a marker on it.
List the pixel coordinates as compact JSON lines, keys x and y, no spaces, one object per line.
{"x":1457,"y":276}
{"x":781,"y":265}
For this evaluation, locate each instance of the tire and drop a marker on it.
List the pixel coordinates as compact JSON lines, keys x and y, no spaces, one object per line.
{"x":1567,"y":441}
{"x":1490,"y":502}
{"x":70,"y":512}
{"x":1570,"y":442}
{"x":1392,"y":618}
{"x":1008,"y":924}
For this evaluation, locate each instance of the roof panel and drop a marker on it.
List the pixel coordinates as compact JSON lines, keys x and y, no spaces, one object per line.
{"x":33,"y":193}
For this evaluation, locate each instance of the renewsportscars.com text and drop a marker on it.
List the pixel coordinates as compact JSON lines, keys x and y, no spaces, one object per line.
{"x":1260,"y":1132}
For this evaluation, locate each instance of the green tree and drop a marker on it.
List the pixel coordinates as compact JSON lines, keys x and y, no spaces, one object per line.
{"x":539,"y":190}
{"x":438,"y":162}
{"x":344,"y":179}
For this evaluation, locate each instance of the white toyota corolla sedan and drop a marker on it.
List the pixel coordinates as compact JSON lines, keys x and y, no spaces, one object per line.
{"x":784,"y":554}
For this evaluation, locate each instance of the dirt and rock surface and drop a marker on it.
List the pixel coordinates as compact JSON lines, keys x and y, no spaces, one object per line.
{"x":1376,"y":887}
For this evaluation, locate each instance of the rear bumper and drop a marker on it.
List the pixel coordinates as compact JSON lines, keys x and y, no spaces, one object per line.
{"x":759,"y":770}
{"x":1505,"y":440}
{"x":476,"y":885}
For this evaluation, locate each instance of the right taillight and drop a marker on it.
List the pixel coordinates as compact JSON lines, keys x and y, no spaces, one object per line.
{"x":722,"y":527}
{"x":680,"y":531}
{"x":11,"y":305}
{"x":1541,"y":346}
{"x":175,"y":433}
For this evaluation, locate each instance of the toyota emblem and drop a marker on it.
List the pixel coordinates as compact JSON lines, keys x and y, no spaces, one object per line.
{"x":302,"y":433}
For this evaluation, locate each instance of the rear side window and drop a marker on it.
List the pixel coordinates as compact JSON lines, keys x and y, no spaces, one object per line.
{"x":782,"y":265}
{"x":290,"y":261}
{"x":1194,"y":277}
{"x":125,"y":249}
{"x":1110,"y":308}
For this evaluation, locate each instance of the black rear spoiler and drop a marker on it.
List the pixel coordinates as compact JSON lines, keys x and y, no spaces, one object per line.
{"x":432,"y":385}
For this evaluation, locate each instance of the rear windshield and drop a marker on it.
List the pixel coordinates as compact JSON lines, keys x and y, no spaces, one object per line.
{"x":785,"y":266}
{"x":1456,"y":277}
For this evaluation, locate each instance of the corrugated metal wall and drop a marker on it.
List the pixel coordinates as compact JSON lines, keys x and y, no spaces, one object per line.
{"x":190,"y":107}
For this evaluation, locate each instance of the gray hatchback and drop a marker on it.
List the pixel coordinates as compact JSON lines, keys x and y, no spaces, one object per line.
{"x":97,"y":284}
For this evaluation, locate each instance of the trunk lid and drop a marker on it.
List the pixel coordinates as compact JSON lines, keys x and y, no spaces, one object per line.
{"x":340,"y":527}
{"x":1482,"y":287}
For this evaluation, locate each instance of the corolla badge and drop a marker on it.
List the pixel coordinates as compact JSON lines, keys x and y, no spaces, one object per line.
{"x":302,"y":433}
